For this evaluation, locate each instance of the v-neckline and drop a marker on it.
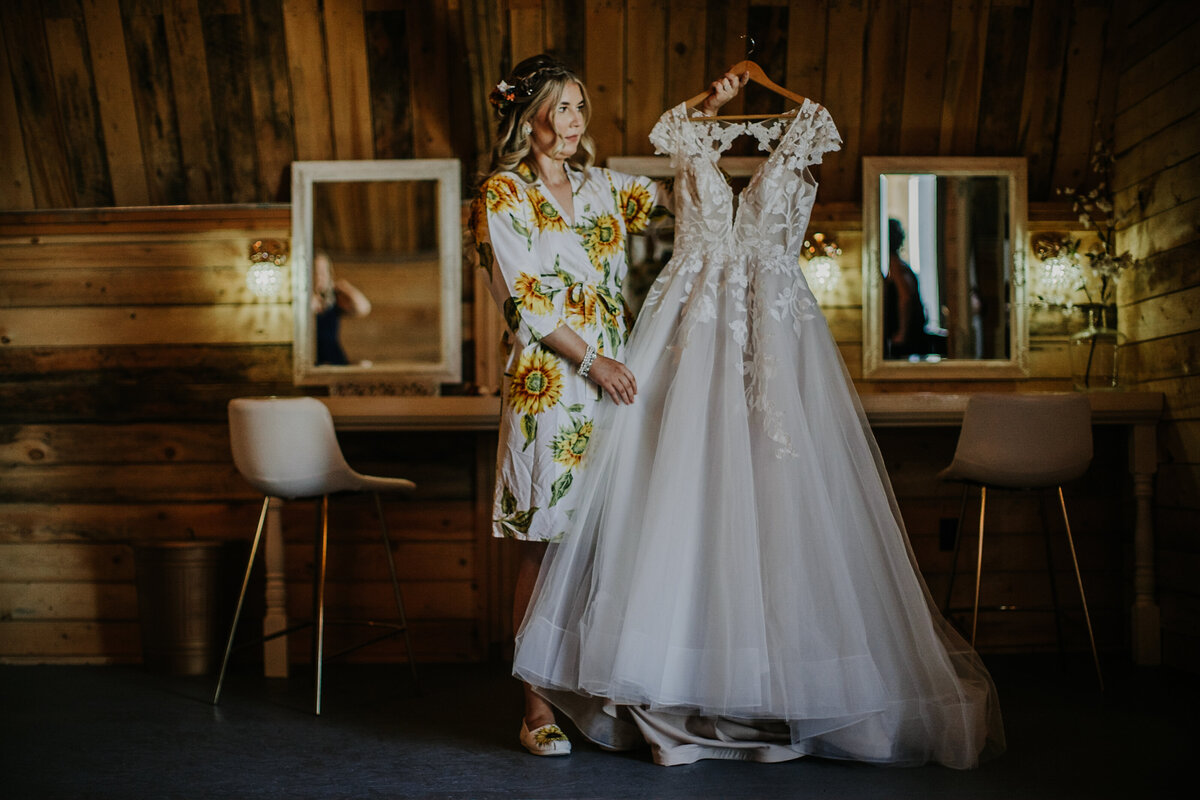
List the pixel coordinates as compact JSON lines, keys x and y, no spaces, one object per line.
{"x":549,"y":195}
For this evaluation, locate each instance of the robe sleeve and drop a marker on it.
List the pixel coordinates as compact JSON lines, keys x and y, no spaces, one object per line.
{"x":528,"y":291}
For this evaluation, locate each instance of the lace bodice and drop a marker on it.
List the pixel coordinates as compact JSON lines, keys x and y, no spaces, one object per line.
{"x":771,"y":213}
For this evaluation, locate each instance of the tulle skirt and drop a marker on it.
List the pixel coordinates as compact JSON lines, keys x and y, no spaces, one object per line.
{"x":737,"y":581}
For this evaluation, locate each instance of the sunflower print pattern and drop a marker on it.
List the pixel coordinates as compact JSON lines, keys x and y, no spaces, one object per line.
{"x":549,"y":266}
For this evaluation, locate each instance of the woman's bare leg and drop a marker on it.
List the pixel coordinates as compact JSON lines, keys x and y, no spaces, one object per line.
{"x":537,"y":711}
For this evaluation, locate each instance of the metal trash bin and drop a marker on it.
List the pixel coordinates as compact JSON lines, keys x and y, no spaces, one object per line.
{"x":177,"y":588}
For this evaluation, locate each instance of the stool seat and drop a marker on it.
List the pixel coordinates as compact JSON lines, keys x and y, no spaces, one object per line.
{"x":287,"y":447}
{"x":1023,"y":441}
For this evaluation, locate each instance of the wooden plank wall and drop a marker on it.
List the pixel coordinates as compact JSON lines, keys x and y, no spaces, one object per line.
{"x":140,"y":102}
{"x":163,"y":102}
{"x":125,"y":333}
{"x":1157,"y":186}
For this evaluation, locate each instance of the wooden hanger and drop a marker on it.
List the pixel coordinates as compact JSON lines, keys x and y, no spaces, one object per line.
{"x":758,"y":76}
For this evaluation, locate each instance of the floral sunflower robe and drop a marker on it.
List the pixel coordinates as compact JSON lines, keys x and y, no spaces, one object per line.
{"x":545,"y":272}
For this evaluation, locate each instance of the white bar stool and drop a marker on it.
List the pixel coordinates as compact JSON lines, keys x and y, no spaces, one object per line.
{"x":1022,"y":441}
{"x":287,"y":447}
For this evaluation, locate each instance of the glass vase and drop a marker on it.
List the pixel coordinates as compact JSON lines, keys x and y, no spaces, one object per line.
{"x":1096,"y":351}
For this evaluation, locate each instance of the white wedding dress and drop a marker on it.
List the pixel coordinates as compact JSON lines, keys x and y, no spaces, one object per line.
{"x":737,"y":581}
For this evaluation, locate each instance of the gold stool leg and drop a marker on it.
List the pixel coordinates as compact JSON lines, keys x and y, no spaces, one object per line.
{"x":1082,"y":597}
{"x":978,"y":563}
{"x":387,"y":546}
{"x":318,"y":645}
{"x":237,"y":614}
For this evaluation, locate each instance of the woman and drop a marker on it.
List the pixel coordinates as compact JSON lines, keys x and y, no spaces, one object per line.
{"x":551,"y":231}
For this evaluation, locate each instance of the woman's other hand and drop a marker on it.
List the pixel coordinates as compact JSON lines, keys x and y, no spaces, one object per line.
{"x":724,"y":89}
{"x":614,"y":378}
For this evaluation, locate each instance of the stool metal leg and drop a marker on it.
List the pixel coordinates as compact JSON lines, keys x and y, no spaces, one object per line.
{"x":978,"y":563}
{"x":387,"y":546}
{"x":318,"y":645}
{"x":962,"y":510}
{"x":1082,"y":597}
{"x":237,"y":614}
{"x":1058,"y":627}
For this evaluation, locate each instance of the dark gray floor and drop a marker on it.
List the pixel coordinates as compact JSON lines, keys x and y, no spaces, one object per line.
{"x":122,"y":732}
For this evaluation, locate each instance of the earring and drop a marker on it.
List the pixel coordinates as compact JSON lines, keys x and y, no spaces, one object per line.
{"x":526,"y":129}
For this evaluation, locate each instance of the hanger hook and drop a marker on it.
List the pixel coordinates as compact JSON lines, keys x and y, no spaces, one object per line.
{"x":749,"y":44}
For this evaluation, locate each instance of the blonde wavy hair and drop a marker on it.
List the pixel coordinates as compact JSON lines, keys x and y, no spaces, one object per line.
{"x":534,"y":85}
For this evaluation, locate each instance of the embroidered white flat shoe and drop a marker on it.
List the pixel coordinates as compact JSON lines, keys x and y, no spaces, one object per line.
{"x":548,"y":740}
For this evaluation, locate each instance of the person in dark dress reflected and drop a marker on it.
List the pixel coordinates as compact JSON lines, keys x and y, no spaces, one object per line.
{"x":332,"y":299}
{"x":903,"y":314}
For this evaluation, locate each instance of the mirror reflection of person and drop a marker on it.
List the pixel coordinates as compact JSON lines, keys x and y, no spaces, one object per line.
{"x":332,"y":299}
{"x":903,"y":314}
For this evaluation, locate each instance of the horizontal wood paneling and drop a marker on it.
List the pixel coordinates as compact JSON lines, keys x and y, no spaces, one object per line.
{"x":1159,"y":205}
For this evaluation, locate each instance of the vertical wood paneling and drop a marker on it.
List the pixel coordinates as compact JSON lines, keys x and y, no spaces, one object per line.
{"x":15,"y":189}
{"x":1043,"y":88}
{"x":224,"y":41}
{"x":390,"y":84}
{"x":1077,"y":114}
{"x":646,"y":64}
{"x":843,"y":97}
{"x":311,"y":115}
{"x":526,"y":29}
{"x":66,"y":42}
{"x":806,"y":50}
{"x":768,"y":24}
{"x":114,"y":94}
{"x":369,"y":79}
{"x":924,"y":77}
{"x":33,"y":85}
{"x":564,"y":30}
{"x":604,"y":71}
{"x":435,"y":100}
{"x":728,"y":26}
{"x":1003,"y":78}
{"x":145,"y":40}
{"x":193,"y":102}
{"x":964,"y":77}
{"x":884,"y":47}
{"x":349,"y":92}
{"x":269,"y":95}
{"x":686,"y":34}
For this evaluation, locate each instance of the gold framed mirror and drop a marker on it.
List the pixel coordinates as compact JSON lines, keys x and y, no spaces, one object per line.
{"x":377,"y":273}
{"x":943,"y":263}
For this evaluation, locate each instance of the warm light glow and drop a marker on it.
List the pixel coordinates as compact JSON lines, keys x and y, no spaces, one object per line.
{"x":264,"y":279}
{"x":1059,"y":279}
{"x":823,"y":271}
{"x":265,"y":276}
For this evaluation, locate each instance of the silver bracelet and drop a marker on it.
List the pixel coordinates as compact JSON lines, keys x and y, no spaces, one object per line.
{"x":585,"y":366}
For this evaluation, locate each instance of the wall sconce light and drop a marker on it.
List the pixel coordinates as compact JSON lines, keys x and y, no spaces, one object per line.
{"x":823,"y":271}
{"x":265,"y":276}
{"x":1060,"y":276}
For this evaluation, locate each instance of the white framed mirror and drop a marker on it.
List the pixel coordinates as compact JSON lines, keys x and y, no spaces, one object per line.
{"x":944,"y":242}
{"x":377,"y":273}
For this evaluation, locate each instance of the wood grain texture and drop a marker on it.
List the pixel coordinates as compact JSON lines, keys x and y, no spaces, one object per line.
{"x":37,"y":108}
{"x":16,"y":191}
{"x":114,"y":95}
{"x":193,"y":101}
{"x":349,"y":86}
{"x":66,"y":41}
{"x":309,"y":81}
{"x":604,"y":71}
